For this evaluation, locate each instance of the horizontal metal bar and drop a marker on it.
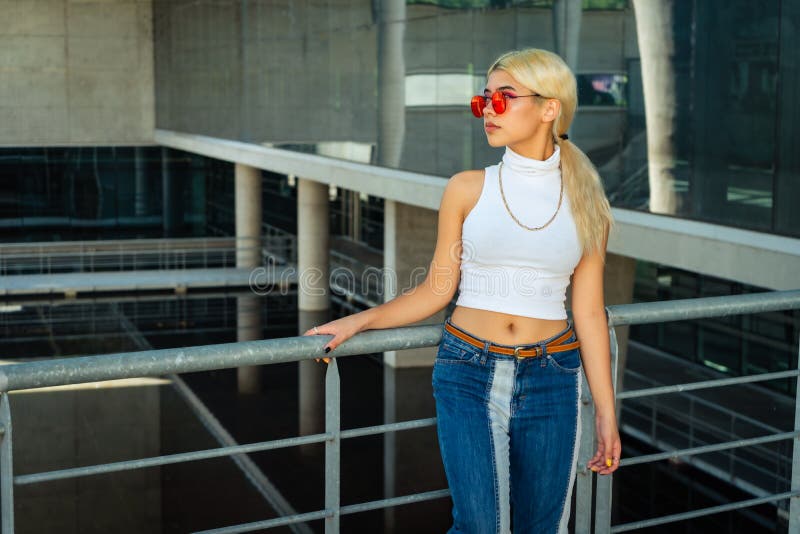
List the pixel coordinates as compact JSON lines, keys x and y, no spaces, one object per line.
{"x":697,"y":399}
{"x":35,"y":478}
{"x":63,"y":371}
{"x":704,"y":307}
{"x":322,"y":514}
{"x":394,"y":501}
{"x":269,"y":523}
{"x":204,"y":358}
{"x":702,"y":512}
{"x":706,"y":384}
{"x":128,"y":245}
{"x":391,"y":427}
{"x":707,"y":448}
{"x":168,"y":459}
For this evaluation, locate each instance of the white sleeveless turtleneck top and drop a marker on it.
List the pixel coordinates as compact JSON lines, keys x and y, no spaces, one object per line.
{"x":507,"y":268}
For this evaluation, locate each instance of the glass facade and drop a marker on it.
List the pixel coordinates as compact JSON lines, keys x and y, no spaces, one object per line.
{"x":87,"y":193}
{"x":709,"y":137}
{"x":736,"y":345}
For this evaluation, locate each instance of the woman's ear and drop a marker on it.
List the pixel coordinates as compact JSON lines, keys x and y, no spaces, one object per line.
{"x":552,"y":109}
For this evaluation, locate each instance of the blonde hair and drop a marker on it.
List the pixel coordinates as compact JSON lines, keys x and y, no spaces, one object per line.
{"x":546,"y":73}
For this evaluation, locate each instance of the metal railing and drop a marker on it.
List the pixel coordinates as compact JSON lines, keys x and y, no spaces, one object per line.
{"x":766,"y":469}
{"x":160,"y":362}
{"x":143,"y":254}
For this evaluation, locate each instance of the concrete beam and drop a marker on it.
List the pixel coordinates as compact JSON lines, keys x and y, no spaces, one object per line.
{"x":408,"y":187}
{"x":757,"y":258}
{"x":761,"y":259}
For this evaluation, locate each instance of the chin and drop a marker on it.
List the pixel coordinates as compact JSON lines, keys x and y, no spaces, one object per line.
{"x":495,"y":141}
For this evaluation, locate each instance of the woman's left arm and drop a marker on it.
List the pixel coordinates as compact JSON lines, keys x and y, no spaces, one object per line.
{"x":591,"y":328}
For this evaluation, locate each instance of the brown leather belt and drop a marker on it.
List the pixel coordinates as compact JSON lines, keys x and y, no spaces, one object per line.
{"x":519,"y":352}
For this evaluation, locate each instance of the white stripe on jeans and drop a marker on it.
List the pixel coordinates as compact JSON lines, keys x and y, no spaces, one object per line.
{"x":562,"y":525}
{"x":499,"y":409}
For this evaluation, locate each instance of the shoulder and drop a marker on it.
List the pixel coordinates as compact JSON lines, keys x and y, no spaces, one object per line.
{"x":463,"y":189}
{"x":468,"y":179}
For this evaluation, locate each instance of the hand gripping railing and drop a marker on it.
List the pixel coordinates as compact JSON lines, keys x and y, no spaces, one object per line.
{"x":166,"y":361}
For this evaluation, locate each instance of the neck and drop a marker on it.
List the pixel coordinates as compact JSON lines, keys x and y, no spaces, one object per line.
{"x":526,"y":166}
{"x":540,"y":149}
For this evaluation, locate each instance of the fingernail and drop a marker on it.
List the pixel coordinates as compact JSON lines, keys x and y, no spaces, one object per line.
{"x":594,"y":468}
{"x":327,"y":350}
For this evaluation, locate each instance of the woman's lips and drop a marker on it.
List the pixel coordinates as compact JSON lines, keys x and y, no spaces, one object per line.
{"x":490,"y":127}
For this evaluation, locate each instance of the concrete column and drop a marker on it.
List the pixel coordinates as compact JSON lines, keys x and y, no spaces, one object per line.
{"x":409,"y":235}
{"x":313,"y":295}
{"x":409,"y":242}
{"x":656,"y":39}
{"x":408,"y":395}
{"x":248,"y":216}
{"x":567,"y":30}
{"x":248,"y":256}
{"x":619,"y":281}
{"x":391,"y":81}
{"x":619,"y":278}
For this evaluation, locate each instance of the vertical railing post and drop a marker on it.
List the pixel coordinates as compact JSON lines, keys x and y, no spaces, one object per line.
{"x":794,"y":502}
{"x":6,"y":468}
{"x":602,"y":518}
{"x":332,"y":447}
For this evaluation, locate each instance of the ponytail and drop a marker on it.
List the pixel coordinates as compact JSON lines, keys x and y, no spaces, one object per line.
{"x":546,"y":73}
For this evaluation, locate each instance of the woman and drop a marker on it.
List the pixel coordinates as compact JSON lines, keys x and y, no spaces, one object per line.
{"x":507,"y":372}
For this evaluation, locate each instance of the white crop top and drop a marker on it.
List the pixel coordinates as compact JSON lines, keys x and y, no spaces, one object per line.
{"x":507,"y":268}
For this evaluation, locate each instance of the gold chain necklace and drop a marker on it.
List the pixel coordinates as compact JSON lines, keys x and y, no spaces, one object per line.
{"x":505,"y":202}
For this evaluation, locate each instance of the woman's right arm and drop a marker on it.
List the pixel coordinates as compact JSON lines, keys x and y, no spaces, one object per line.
{"x":441,"y":282}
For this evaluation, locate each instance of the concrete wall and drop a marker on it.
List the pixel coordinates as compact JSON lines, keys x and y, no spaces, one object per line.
{"x":300,"y":71}
{"x":76,"y":72}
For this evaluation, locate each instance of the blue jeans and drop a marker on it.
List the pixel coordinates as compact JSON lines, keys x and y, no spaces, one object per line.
{"x":508,"y":431}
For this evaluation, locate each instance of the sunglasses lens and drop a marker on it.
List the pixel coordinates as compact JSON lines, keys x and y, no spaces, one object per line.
{"x":477,"y":104}
{"x":498,"y":102}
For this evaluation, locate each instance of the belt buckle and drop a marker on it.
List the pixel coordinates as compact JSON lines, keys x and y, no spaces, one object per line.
{"x":516,"y":353}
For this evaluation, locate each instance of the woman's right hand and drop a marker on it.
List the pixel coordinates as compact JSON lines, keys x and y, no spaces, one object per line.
{"x":341,"y":330}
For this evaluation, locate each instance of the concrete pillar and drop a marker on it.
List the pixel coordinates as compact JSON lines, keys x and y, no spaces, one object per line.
{"x":248,"y":216}
{"x":391,"y":81}
{"x":248,"y":256}
{"x":409,"y":240}
{"x":619,"y":278}
{"x":313,"y":295}
{"x":656,"y":39}
{"x":408,"y":395}
{"x":618,"y":284}
{"x":567,"y":30}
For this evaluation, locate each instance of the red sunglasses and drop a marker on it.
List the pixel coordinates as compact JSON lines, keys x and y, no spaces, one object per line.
{"x":499,"y":102}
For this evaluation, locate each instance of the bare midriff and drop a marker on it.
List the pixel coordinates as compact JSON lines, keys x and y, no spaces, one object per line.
{"x":504,"y":328}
